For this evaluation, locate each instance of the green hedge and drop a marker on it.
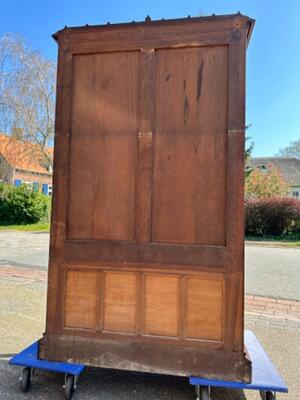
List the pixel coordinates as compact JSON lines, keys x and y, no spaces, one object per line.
{"x":22,"y":205}
{"x":272,"y":216}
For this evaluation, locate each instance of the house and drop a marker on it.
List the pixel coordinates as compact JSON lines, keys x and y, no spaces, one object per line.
{"x":289,"y":168}
{"x":22,"y":162}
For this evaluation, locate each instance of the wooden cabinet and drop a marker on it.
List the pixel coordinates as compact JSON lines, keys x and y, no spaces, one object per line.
{"x":146,"y":268}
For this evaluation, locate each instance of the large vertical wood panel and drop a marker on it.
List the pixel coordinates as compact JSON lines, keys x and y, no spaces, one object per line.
{"x":120,"y":295}
{"x":81,"y":299}
{"x":115,"y":146}
{"x":204,"y":308}
{"x":190,"y":146}
{"x":161,"y":305}
{"x":84,"y":120}
{"x":103,"y":146}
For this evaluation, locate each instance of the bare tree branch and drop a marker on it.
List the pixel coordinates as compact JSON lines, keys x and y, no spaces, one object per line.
{"x":27,"y":93}
{"x":292,"y":150}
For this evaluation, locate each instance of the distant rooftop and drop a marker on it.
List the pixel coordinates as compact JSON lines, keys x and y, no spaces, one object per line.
{"x":22,"y":154}
{"x":289,"y":167}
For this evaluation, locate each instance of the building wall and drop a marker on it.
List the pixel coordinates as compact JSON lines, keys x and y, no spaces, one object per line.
{"x":295,"y":192}
{"x":43,"y":180}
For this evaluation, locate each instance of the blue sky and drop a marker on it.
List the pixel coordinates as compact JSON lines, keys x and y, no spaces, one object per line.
{"x":273,"y":63}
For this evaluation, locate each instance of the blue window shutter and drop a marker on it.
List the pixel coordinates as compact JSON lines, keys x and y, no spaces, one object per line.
{"x":35,"y":187}
{"x":17,"y":182}
{"x":45,"y":188}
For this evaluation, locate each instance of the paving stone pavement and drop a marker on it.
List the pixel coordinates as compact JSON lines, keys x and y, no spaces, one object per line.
{"x":22,"y":312}
{"x":21,"y":272}
{"x":276,"y":311}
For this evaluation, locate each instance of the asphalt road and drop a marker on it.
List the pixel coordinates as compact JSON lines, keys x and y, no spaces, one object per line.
{"x":270,"y":271}
{"x":28,"y":249}
{"x":273,"y":271}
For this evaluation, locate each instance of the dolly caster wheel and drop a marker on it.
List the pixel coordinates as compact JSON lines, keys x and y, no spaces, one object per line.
{"x":69,"y":386}
{"x":267,"y":395}
{"x":202,"y":392}
{"x":25,"y":379}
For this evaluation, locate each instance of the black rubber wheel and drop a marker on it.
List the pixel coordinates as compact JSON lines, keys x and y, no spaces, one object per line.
{"x":270,"y":396}
{"x":25,"y":379}
{"x":69,"y":387}
{"x":266,"y":395}
{"x":204,"y":393}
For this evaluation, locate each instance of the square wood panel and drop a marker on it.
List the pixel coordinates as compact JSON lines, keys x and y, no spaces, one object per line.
{"x":161,"y":305}
{"x":81,"y":300}
{"x":120,"y":294}
{"x":204,"y":308}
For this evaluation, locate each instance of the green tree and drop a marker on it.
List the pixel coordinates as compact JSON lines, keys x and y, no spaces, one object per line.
{"x":249,"y":145}
{"x":248,"y":148}
{"x":269,"y":183}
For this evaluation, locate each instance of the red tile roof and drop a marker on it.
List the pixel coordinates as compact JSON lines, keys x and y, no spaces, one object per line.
{"x":22,"y":154}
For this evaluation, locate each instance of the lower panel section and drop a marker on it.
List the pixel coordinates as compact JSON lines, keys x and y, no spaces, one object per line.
{"x":146,"y":357}
{"x":161,"y":321}
{"x":176,"y":306}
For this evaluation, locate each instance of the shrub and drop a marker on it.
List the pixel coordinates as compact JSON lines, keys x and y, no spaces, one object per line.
{"x":265,"y":184}
{"x":22,"y":205}
{"x":272,"y":216}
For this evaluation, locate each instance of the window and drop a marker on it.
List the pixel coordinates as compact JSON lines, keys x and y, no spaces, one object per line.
{"x":17,"y":182}
{"x":296,"y":193}
{"x":263,"y":168}
{"x":45,"y":188}
{"x":50,"y":190}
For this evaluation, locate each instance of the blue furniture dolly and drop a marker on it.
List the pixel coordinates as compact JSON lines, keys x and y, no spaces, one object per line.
{"x":28,"y":360}
{"x":265,"y":377}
